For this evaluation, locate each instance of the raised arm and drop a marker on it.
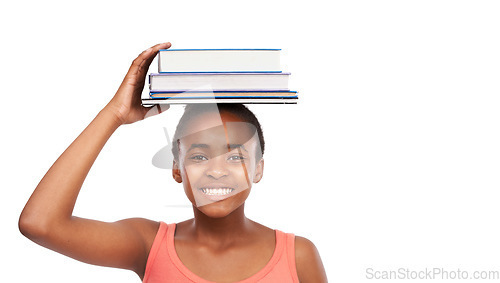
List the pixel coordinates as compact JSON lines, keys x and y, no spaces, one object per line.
{"x":47,"y":217}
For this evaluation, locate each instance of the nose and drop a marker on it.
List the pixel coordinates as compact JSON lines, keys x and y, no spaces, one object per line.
{"x":217,"y":167}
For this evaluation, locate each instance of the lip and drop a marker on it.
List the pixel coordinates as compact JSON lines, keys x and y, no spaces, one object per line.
{"x":217,"y":191}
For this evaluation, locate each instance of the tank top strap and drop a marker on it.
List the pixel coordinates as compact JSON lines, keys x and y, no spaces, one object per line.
{"x":279,"y":249}
{"x":170,"y":232}
{"x":172,"y":253}
{"x":155,"y":250}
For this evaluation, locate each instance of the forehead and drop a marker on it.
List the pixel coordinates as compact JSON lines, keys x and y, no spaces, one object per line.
{"x":218,"y":129}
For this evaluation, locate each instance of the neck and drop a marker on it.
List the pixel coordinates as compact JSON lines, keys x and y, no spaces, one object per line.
{"x":224,"y":230}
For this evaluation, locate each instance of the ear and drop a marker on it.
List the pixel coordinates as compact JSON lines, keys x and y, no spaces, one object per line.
{"x":176,"y":172}
{"x":259,"y":171}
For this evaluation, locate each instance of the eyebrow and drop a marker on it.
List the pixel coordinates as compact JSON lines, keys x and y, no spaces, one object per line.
{"x":233,"y":146}
{"x":198,"y":145}
{"x":230,"y":146}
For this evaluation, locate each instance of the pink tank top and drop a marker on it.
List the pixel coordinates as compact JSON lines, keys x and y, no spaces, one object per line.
{"x":165,"y":266}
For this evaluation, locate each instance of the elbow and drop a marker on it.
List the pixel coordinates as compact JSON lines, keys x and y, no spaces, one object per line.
{"x":31,"y":227}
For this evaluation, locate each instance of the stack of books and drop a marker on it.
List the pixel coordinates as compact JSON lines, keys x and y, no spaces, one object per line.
{"x":220,"y":76}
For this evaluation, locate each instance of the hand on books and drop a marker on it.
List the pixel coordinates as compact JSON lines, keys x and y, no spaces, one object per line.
{"x":126,"y":104}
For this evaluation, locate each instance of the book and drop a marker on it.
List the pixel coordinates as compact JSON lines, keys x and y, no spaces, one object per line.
{"x":284,"y":100}
{"x":223,"y":94}
{"x":219,"y":60}
{"x":161,"y":82}
{"x":219,"y":76}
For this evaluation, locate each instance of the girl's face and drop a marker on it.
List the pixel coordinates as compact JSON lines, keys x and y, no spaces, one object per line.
{"x":217,"y":162}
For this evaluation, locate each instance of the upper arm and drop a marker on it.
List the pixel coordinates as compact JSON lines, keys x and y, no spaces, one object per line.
{"x":308,"y":262}
{"x":122,"y":244}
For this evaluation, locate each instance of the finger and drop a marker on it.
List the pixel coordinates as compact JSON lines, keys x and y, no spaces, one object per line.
{"x":146,"y":63}
{"x":142,"y":62}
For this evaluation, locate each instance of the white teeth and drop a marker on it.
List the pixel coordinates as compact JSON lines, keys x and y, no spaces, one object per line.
{"x":217,"y":192}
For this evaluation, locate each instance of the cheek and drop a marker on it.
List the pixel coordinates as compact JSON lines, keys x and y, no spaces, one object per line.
{"x":192,"y":173}
{"x":244,"y":171}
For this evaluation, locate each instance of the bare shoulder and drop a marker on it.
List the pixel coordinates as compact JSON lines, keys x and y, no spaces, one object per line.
{"x":308,"y":261}
{"x":146,"y":229}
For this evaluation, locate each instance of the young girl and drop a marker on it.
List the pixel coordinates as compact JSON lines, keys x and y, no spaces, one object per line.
{"x":217,"y":157}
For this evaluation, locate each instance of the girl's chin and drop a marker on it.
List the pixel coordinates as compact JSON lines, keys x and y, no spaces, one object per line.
{"x":216,"y":210}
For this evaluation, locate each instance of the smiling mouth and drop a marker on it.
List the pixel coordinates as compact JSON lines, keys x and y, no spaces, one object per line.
{"x":216,"y":191}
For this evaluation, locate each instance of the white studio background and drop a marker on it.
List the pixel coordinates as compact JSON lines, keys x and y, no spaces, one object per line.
{"x":391,"y":159}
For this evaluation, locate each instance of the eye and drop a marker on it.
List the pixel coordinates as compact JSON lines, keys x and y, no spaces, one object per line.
{"x":239,"y":158}
{"x":198,"y":158}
